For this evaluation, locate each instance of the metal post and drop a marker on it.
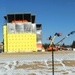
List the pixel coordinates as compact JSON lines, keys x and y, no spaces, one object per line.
{"x":51,"y":43}
{"x":52,"y":62}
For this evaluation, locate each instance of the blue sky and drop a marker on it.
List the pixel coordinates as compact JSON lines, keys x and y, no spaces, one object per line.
{"x":54,"y":15}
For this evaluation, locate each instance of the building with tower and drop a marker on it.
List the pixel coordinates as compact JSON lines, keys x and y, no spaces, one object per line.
{"x":21,"y":33}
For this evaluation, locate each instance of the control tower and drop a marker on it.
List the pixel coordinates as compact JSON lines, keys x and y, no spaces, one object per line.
{"x":21,"y":33}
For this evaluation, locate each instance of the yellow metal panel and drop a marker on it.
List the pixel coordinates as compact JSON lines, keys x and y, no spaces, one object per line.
{"x":23,"y":42}
{"x":5,"y":37}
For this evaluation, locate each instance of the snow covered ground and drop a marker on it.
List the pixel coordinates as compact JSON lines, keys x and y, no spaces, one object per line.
{"x":37,"y":64}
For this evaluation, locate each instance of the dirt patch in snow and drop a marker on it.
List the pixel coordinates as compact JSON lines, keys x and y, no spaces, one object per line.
{"x":73,"y":71}
{"x":56,"y":63}
{"x":33,"y":65}
{"x":32,"y":74}
{"x":69,"y":63}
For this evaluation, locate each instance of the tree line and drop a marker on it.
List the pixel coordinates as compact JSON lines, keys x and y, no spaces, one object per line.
{"x":46,"y":45}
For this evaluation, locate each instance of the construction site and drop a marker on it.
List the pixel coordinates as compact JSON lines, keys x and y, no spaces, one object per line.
{"x":23,"y":52}
{"x":21,"y":33}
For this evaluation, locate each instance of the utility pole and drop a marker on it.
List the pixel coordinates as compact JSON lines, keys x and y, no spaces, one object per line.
{"x":51,"y":44}
{"x":52,"y":62}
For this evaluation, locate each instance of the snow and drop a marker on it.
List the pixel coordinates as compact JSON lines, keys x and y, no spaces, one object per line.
{"x":8,"y":65}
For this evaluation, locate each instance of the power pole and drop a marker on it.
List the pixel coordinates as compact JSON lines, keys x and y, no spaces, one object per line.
{"x":51,"y":44}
